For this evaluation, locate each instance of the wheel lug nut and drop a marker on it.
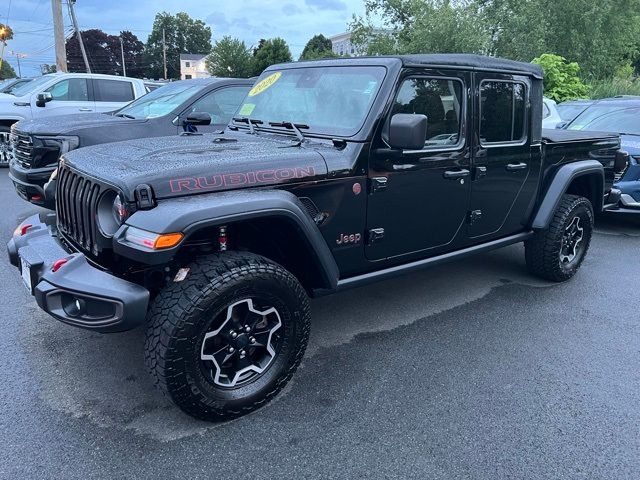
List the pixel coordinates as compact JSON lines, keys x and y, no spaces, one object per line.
{"x":252,"y":340}
{"x":247,"y":328}
{"x":231,"y":349}
{"x":242,"y":353}
{"x":233,"y":334}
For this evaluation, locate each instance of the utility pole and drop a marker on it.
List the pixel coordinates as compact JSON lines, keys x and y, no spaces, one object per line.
{"x":58,"y":33}
{"x":77,"y":29}
{"x":18,"y":57}
{"x":164,"y":53}
{"x":124,"y":68}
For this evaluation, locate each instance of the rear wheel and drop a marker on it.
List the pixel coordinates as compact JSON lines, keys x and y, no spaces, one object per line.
{"x":6,"y":151}
{"x":227,"y":339}
{"x":557,"y":252}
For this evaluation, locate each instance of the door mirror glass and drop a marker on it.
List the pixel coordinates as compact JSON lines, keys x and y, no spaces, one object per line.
{"x":198,"y":118}
{"x":43,"y":98}
{"x":407,"y":131}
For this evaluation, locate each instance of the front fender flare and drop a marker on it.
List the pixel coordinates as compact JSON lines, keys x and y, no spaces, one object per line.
{"x":559,"y":186}
{"x":190,"y":214}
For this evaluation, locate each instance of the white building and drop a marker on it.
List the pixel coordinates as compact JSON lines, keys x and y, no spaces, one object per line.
{"x":341,"y":44}
{"x":193,"y":66}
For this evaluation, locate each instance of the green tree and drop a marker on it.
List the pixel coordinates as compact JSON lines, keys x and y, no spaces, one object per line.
{"x":46,"y":68}
{"x":601,"y":35}
{"x":183,"y":34}
{"x":7,"y":71}
{"x":561,"y":80}
{"x":272,"y":51}
{"x":594,"y":33}
{"x":230,"y":57}
{"x":318,"y":47}
{"x":421,"y":26}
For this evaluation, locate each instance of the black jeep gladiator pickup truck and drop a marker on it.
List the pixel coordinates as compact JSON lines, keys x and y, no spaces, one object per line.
{"x":333,"y":174}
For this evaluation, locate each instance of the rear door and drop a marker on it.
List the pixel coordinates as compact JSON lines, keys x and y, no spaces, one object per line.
{"x":503,"y":182}
{"x":111,"y":94}
{"x":70,"y":95}
{"x":418,"y":200}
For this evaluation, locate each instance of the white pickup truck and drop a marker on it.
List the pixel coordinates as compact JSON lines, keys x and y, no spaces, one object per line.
{"x":63,"y":93}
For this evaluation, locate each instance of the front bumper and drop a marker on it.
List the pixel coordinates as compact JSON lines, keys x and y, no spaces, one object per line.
{"x":77,"y":293}
{"x":29,"y":183}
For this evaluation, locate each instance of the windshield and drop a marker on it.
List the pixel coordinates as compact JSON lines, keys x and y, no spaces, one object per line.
{"x":571,"y":111}
{"x":329,"y":100}
{"x":160,"y":101}
{"x":31,"y":86}
{"x":609,"y":118}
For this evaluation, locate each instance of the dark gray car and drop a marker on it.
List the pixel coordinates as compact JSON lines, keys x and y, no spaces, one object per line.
{"x":202,"y":105}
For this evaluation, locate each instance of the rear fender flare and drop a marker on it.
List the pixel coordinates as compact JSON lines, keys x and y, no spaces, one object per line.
{"x":563,"y":178}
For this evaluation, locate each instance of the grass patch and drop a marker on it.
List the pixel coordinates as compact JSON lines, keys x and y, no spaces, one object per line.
{"x":614,"y":87}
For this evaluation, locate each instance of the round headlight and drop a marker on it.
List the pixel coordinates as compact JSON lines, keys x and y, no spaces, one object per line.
{"x":119,"y":210}
{"x":111,"y":212}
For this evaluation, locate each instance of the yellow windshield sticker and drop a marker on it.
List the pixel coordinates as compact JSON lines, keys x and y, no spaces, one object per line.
{"x":247,"y":109}
{"x":264,"y":84}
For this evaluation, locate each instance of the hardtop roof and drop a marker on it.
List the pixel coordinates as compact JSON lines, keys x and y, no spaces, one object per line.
{"x":445,"y":60}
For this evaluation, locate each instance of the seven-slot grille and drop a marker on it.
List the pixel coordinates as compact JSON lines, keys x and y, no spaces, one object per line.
{"x":76,"y":204}
{"x":22,"y":148}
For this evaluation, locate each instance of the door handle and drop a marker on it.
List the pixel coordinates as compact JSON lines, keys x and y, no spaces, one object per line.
{"x":456,"y":174}
{"x":513,"y":167}
{"x":85,"y":109}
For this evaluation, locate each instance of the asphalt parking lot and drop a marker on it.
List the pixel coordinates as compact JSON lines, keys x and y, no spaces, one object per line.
{"x":469,"y":370}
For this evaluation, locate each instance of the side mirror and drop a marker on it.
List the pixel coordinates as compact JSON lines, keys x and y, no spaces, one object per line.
{"x":197,"y":118}
{"x":408,"y":131}
{"x":43,"y":98}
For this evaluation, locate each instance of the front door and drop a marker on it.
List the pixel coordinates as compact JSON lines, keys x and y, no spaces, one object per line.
{"x":69,"y":96}
{"x":418,"y":200}
{"x":220,"y":104}
{"x":502,"y":156}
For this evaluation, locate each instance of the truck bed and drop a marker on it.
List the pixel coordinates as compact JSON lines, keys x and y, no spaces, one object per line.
{"x":554,"y":135}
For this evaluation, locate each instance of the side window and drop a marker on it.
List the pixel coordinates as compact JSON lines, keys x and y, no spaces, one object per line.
{"x":70,"y":90}
{"x":113,"y":90}
{"x":221,"y":104}
{"x":441,"y":101}
{"x":546,"y":113}
{"x":502,"y":112}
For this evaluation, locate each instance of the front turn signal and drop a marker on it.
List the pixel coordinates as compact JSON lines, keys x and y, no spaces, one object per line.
{"x":168,"y":240}
{"x":153,"y":241}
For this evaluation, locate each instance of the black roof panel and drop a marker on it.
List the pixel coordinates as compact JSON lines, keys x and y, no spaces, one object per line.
{"x":456,"y":60}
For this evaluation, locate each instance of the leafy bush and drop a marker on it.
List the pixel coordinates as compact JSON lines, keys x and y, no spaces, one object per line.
{"x":561,"y":80}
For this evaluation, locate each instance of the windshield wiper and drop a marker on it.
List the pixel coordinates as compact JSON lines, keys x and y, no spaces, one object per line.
{"x":630,"y":134}
{"x":292,"y":126}
{"x":124,"y":115}
{"x":251,"y":122}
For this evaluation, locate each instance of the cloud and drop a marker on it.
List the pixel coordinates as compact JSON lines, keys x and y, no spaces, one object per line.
{"x":326,"y":4}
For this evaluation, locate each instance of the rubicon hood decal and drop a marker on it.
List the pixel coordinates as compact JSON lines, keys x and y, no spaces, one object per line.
{"x":238,"y":179}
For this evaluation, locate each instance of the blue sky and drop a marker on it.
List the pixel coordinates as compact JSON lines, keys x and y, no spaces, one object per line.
{"x":294,"y":20}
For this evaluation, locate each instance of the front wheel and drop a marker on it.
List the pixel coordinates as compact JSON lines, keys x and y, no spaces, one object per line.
{"x":557,"y":252}
{"x":6,"y":150}
{"x":227,"y":339}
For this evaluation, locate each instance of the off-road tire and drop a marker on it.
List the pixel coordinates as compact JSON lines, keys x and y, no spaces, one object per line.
{"x":179,"y":319}
{"x":542,"y":252}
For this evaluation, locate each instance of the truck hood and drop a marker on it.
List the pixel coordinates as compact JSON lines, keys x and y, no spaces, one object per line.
{"x":70,"y":124}
{"x":187,"y":165}
{"x":631,"y":144}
